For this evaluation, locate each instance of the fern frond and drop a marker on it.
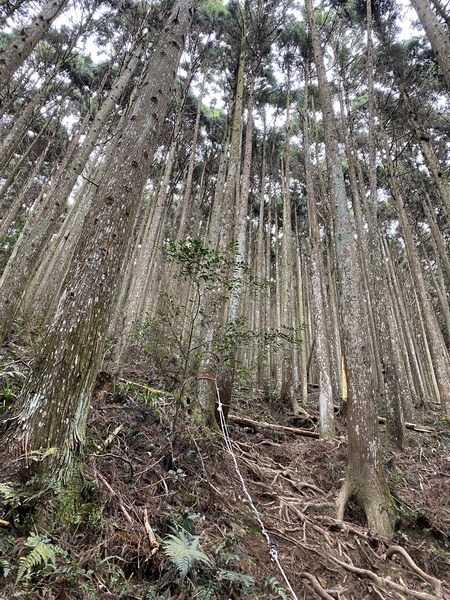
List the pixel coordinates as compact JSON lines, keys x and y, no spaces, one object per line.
{"x":42,"y":552}
{"x":182,"y":551}
{"x":9,"y":493}
{"x":275,"y":587}
{"x":236,"y":577}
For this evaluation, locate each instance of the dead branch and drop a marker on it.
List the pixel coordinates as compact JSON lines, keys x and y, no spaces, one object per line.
{"x":154,"y":545}
{"x":145,"y":387}
{"x":116,"y":495}
{"x":111,"y":436}
{"x":129,"y":463}
{"x":414,"y":426}
{"x":272,"y":426}
{"x":5,"y":523}
{"x":435,"y":583}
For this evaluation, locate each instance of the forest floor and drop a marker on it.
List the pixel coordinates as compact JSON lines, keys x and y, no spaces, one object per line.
{"x":163,"y":514}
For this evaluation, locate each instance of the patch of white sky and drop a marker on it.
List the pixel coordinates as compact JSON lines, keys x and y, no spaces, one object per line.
{"x":408,"y":27}
{"x":76,"y":14}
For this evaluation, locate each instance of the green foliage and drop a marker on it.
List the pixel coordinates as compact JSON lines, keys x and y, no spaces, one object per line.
{"x":175,"y":343}
{"x":208,"y":267}
{"x":241,"y":583}
{"x":13,"y":497}
{"x":11,"y":494}
{"x":274,"y":587}
{"x":174,"y":337}
{"x":182,"y":551}
{"x":42,"y":553}
{"x":235,"y":577}
{"x":176,"y":474}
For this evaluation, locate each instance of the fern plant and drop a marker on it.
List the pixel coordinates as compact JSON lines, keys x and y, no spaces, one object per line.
{"x":182,"y":551}
{"x":42,"y":552}
{"x":11,"y":495}
{"x":237,"y":578}
{"x":274,"y":586}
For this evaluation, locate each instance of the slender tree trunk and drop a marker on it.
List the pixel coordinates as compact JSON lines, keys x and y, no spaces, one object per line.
{"x":326,"y":409}
{"x":187,"y":194}
{"x":438,"y":37}
{"x":365,"y":477}
{"x":225,"y":205}
{"x":12,"y":213}
{"x":13,"y":7}
{"x":435,"y":339}
{"x":441,"y":11}
{"x":46,"y":219}
{"x":378,"y":277}
{"x":287,"y":269}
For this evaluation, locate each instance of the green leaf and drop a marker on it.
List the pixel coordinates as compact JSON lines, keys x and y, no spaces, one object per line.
{"x":182,"y":551}
{"x":42,"y":552}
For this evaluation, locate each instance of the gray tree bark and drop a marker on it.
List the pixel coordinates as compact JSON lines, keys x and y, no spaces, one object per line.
{"x":54,"y":405}
{"x":439,"y":39}
{"x":365,"y":477}
{"x":21,"y":47}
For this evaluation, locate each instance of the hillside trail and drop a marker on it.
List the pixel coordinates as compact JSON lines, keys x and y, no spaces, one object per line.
{"x":153,"y":478}
{"x":291,"y":480}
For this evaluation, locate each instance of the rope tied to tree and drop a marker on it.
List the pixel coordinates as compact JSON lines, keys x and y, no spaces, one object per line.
{"x":272,"y":545}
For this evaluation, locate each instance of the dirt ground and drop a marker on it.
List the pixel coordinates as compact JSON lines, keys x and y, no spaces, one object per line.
{"x":150,"y":474}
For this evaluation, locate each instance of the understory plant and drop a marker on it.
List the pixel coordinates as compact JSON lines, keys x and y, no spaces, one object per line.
{"x":174,"y":337}
{"x":207,"y":576}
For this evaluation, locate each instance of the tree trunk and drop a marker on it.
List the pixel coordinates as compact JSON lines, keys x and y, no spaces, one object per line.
{"x":54,"y":405}
{"x":439,"y":40}
{"x":365,"y":478}
{"x":435,"y":339}
{"x":22,"y":46}
{"x":326,"y":409}
{"x":378,"y":276}
{"x":47,"y":217}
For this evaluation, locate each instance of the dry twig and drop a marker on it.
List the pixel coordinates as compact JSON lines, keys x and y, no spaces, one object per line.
{"x":154,"y":545}
{"x":116,"y":495}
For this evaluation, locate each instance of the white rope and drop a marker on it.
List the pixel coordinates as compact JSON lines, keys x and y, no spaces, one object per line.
{"x":273,"y":548}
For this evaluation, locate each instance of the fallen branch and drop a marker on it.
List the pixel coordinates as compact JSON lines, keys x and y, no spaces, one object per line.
{"x":154,"y":546}
{"x":111,"y":436}
{"x":272,"y":426}
{"x":116,"y":495}
{"x":5,"y":523}
{"x":145,"y":387}
{"x":129,"y":463}
{"x":414,"y":426}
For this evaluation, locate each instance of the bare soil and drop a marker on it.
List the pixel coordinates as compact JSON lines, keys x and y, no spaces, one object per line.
{"x":150,"y":472}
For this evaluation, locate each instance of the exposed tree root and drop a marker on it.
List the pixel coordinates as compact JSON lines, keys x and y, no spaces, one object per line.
{"x":288,"y":509}
{"x":383,"y":583}
{"x":317,"y":587}
{"x":435,"y":583}
{"x":342,"y":500}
